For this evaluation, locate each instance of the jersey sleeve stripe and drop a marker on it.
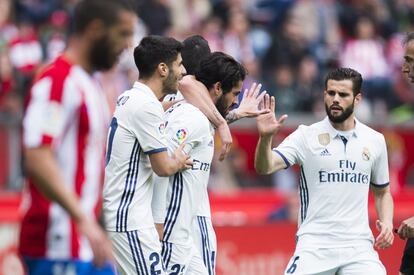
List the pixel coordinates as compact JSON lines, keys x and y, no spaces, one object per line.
{"x":283,"y":157}
{"x":154,"y":151}
{"x":380,"y":185}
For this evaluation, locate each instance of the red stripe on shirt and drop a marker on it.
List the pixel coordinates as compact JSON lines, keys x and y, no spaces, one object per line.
{"x":35,"y":225}
{"x":83,"y":130}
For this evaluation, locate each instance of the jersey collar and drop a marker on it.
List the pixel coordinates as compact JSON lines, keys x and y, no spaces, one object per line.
{"x":335,"y":134}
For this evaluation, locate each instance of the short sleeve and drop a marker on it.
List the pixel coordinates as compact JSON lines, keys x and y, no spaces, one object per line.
{"x":147,"y":124}
{"x":379,"y":171}
{"x":45,"y":116}
{"x":292,"y":149}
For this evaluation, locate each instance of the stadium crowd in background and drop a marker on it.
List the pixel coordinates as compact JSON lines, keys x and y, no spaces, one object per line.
{"x":286,"y":45}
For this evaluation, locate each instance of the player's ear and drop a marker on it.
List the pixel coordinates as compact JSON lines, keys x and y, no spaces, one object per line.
{"x":358,"y":98}
{"x":217,"y":89}
{"x":95,"y":29}
{"x":163,"y":69}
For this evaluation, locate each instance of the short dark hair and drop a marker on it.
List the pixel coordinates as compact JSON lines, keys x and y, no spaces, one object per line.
{"x":153,"y":50}
{"x":105,"y":10}
{"x":220,"y":67}
{"x":195,"y":49}
{"x":409,"y":36}
{"x":346,"y":74}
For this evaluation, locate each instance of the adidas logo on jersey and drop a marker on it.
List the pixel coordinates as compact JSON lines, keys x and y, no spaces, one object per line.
{"x":325,"y":153}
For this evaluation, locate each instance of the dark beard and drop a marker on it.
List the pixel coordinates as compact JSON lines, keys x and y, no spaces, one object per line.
{"x":221,"y":106}
{"x":101,"y":55}
{"x":341,"y":118}
{"x":169,"y":85}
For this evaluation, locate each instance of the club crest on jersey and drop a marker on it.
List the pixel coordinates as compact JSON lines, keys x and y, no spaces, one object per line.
{"x":181,"y":135}
{"x":324,"y":139}
{"x":366,"y":155}
{"x":161,"y":128}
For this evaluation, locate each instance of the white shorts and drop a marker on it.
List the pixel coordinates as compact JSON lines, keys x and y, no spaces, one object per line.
{"x":355,"y":260}
{"x":206,"y":242}
{"x":137,"y":252}
{"x":182,"y":259}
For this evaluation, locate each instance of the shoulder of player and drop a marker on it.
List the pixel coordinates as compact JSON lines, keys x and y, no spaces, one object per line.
{"x":185,"y":112}
{"x":368,"y":132}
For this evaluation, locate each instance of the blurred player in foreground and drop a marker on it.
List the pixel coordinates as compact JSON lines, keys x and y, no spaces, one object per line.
{"x":340,"y":160}
{"x":406,"y":229}
{"x":64,"y":131}
{"x":136,"y":148}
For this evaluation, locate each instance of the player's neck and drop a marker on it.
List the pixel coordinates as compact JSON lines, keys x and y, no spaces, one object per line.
{"x":346,"y":125}
{"x":77,"y":53}
{"x":155,"y":86}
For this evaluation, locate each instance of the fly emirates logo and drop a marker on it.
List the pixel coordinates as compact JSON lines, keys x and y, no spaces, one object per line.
{"x":345,"y":174}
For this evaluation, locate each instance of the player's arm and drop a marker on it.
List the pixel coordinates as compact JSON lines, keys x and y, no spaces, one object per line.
{"x":165,"y":165}
{"x":266,"y":161}
{"x":41,"y":165}
{"x":197,"y":94}
{"x":249,"y":104}
{"x":385,"y":208}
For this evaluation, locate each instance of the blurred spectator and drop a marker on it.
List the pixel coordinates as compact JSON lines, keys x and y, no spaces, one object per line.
{"x":236,"y":40}
{"x":156,"y":15}
{"x":211,"y":31}
{"x":25,"y":56}
{"x":54,"y":38}
{"x":288,"y":46}
{"x":36,"y":11}
{"x":281,"y":86}
{"x":309,"y":86}
{"x":288,"y":211}
{"x":188,"y":15}
{"x":365,"y":53}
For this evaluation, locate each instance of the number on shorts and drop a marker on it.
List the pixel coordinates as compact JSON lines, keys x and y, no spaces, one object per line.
{"x":177,"y":269}
{"x":155,"y":260}
{"x":114,"y":125}
{"x":293,"y":266}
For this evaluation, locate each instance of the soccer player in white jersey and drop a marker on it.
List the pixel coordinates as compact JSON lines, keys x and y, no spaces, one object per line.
{"x":64,"y":130}
{"x":187,"y":190}
{"x":136,"y":148}
{"x":340,"y":160}
{"x":406,"y":229}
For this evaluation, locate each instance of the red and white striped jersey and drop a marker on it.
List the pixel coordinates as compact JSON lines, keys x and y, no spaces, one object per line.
{"x":67,"y":111}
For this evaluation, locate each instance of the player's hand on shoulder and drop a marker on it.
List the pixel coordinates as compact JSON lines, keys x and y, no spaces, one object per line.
{"x":386,"y":237}
{"x":267,"y":123}
{"x":98,"y":240}
{"x":406,"y":229}
{"x":182,"y":158}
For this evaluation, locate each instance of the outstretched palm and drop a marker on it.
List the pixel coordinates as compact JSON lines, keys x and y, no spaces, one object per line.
{"x":268,"y":124}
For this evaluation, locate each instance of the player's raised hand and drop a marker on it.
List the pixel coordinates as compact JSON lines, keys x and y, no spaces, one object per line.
{"x":267,"y":123}
{"x":406,"y":229}
{"x":249,"y":104}
{"x":99,"y":242}
{"x":386,"y":237}
{"x":182,"y":158}
{"x":226,"y":140}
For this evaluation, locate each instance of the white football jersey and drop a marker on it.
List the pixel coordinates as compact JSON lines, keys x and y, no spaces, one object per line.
{"x":335,"y":176}
{"x":137,"y":130}
{"x":186,"y":190}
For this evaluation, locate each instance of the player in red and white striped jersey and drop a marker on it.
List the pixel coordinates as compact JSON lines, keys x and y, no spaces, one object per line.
{"x":64,"y":127}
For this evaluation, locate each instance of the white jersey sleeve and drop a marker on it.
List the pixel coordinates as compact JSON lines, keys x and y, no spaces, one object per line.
{"x":147,"y":124}
{"x":292,"y":149}
{"x":379,"y":171}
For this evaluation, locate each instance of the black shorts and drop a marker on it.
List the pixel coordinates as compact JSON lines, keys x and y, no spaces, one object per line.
{"x":407,"y":263}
